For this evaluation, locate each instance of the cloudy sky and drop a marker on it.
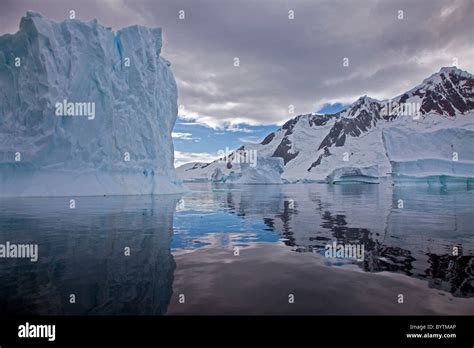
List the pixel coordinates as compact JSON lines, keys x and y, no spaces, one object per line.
{"x":282,"y":61}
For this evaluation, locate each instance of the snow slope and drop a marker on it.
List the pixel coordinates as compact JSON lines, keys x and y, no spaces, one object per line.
{"x":413,"y":134}
{"x":125,"y":148}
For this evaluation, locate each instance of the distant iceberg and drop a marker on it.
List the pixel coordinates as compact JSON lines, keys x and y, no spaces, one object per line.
{"x":264,"y":171}
{"x":369,"y":175}
{"x":112,"y":133}
{"x":443,"y":156}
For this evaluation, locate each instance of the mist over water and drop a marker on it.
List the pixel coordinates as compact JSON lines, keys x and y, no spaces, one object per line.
{"x":186,"y":244}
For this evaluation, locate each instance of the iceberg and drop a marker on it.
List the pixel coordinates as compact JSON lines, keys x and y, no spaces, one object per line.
{"x":218,"y":176}
{"x":267,"y":170}
{"x":441,"y":156}
{"x":85,"y":110}
{"x":369,"y":175}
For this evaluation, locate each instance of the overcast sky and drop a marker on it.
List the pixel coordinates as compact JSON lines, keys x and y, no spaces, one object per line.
{"x":284,"y":61}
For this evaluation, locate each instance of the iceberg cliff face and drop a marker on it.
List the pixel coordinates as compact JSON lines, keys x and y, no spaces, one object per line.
{"x":445,"y":152}
{"x":85,"y":111}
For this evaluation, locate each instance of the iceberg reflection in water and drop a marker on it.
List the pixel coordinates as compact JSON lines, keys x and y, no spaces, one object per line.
{"x":411,"y":231}
{"x":82,"y":251}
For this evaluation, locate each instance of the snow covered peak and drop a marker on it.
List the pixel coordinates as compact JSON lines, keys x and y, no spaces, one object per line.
{"x":371,"y":134}
{"x":448,"y":69}
{"x":454,"y":70}
{"x":444,"y":73}
{"x":448,"y":92}
{"x":365,"y":100}
{"x":364,"y":103}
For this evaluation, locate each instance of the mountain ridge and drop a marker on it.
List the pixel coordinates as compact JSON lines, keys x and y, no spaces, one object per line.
{"x":307,"y":142}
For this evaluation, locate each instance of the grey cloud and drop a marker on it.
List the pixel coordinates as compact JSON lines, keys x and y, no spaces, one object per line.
{"x":284,"y":61}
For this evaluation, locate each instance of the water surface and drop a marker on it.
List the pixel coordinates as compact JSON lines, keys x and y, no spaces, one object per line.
{"x":243,"y":249}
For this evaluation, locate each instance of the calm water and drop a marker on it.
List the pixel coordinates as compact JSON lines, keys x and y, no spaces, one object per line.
{"x":184,"y":245}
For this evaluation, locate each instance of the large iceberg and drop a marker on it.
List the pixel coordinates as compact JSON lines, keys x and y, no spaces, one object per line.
{"x":85,"y":110}
{"x":445,"y":155}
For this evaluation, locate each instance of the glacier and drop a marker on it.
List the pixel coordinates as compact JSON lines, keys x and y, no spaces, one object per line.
{"x":124,"y":149}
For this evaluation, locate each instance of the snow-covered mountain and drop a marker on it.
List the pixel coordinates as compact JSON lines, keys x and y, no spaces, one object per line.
{"x":85,"y":110}
{"x":426,"y":132}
